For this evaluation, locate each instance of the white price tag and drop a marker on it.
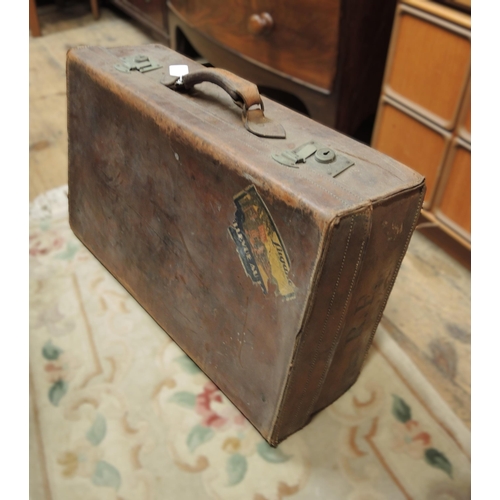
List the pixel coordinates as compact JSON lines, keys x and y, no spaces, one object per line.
{"x":178,"y":70}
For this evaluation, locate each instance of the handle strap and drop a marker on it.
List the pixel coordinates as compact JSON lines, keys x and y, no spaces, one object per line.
{"x":244,"y":94}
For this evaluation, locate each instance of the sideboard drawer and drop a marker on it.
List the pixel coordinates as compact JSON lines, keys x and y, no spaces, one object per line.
{"x":293,"y":37}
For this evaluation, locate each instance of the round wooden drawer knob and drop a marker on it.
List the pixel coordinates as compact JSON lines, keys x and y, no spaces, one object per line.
{"x":260,"y":24}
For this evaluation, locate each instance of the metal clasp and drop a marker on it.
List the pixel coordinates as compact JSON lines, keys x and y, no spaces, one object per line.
{"x":330,"y":161}
{"x":291,"y":158}
{"x":140,"y":62}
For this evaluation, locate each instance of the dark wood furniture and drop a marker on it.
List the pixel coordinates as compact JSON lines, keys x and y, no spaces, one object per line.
{"x":328,"y":56}
{"x":151,"y":14}
{"x":34,"y":21}
{"x":424,"y":116}
{"x":94,"y":6}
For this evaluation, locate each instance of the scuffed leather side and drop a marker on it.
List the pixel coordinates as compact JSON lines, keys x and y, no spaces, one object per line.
{"x":318,"y":340}
{"x":394,"y":221}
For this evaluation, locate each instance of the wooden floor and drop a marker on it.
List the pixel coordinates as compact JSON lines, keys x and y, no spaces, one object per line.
{"x":61,"y":30}
{"x":429,"y":310}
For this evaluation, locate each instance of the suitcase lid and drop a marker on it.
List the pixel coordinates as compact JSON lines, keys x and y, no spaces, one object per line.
{"x":211,"y":116}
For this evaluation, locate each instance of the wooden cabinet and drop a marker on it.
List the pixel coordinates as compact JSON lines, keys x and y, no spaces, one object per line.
{"x":414,"y":141}
{"x":288,"y":36}
{"x":452,"y":206}
{"x":429,"y":67}
{"x":424,"y":114}
{"x":325,"y":56}
{"x":151,"y":14}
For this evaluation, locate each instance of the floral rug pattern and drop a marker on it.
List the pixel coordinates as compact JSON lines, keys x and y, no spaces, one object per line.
{"x":120,"y":412}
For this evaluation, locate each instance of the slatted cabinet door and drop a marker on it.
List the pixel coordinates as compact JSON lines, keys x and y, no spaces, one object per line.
{"x":430,"y":65}
{"x":426,"y":150}
{"x":424,"y":114}
{"x":453,"y":206}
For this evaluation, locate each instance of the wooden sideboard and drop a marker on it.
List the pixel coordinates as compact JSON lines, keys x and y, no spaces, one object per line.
{"x":326,"y":56}
{"x":151,"y":14}
{"x":424,"y":114}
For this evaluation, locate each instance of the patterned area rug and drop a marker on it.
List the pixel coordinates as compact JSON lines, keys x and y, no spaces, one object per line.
{"x":118,"y":411}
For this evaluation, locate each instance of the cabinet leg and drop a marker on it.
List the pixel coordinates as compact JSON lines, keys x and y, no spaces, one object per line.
{"x":34,"y":22}
{"x":172,"y":31}
{"x":94,"y":5}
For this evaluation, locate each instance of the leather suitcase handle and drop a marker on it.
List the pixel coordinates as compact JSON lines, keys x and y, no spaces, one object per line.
{"x":244,"y":94}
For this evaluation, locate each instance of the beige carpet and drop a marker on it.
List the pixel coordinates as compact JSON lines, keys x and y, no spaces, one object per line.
{"x":119,"y":412}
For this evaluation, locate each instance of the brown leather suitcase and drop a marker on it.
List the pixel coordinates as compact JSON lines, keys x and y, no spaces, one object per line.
{"x":265,"y":244}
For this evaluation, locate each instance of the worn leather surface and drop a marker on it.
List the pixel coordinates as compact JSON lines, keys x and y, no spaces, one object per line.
{"x":155,"y":179}
{"x":360,"y":269}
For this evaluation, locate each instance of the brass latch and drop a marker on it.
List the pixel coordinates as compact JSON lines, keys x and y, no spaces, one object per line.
{"x":332,"y":162}
{"x":140,"y":62}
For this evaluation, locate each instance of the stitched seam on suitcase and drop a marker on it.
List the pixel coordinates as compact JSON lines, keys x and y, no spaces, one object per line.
{"x":319,"y":266}
{"x":299,"y":339}
{"x":336,"y":338}
{"x":325,"y":322}
{"x":359,"y":346}
{"x":277,"y":425}
{"x":308,"y":178}
{"x":337,"y":183}
{"x":396,"y":271}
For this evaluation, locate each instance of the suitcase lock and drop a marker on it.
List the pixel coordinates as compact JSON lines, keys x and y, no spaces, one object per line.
{"x":333,"y":163}
{"x":140,"y":62}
